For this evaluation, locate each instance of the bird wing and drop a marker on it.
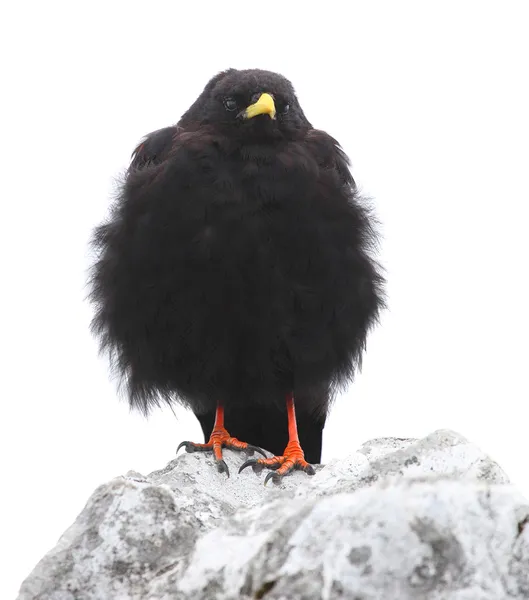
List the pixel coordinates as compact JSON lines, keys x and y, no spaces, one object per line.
{"x":154,"y":148}
{"x":330,"y":155}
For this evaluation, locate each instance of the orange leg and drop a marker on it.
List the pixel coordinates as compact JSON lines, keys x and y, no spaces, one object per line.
{"x":219,"y":439}
{"x":293,"y":457}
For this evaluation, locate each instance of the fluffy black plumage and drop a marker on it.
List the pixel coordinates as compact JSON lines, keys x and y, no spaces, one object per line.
{"x":237,"y":265}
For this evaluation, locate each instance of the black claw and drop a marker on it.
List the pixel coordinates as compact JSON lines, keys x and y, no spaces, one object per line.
{"x":274,"y":477}
{"x":192,"y":447}
{"x":247,"y":463}
{"x":188,"y":447}
{"x":252,"y":462}
{"x":309,"y":469}
{"x":223,"y":467}
{"x":251,"y":449}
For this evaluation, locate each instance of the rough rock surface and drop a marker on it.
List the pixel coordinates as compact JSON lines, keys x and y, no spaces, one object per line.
{"x":400,"y":519}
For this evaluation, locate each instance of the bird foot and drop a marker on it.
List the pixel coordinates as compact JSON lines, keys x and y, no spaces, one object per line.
{"x":218,"y":440}
{"x":293,"y":459}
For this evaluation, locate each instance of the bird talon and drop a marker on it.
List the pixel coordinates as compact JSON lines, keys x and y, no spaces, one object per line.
{"x":187,"y":445}
{"x":222,"y":467}
{"x":254,"y":463}
{"x":247,"y":463}
{"x":220,"y":439}
{"x":309,"y":470}
{"x":192,"y":447}
{"x":276,"y":479}
{"x":250,"y":450}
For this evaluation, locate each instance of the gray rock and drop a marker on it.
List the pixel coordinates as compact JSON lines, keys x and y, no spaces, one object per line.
{"x":410,"y":519}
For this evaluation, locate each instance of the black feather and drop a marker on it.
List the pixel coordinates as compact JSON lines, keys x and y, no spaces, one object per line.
{"x":154,"y":148}
{"x":237,"y":263}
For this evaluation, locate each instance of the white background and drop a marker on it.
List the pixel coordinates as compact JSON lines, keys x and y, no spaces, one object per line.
{"x":430,"y":101}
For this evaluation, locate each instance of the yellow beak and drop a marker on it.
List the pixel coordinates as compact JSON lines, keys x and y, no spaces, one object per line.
{"x":264,"y":106}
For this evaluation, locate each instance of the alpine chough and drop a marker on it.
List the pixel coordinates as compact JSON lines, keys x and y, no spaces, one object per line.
{"x":235,"y":273}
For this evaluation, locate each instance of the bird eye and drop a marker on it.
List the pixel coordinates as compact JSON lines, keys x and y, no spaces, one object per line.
{"x":286,"y":108}
{"x":230,"y":104}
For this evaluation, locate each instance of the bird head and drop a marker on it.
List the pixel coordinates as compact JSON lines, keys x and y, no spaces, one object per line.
{"x":247,"y":104}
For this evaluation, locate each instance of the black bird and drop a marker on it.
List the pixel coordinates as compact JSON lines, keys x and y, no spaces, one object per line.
{"x":235,"y":274}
